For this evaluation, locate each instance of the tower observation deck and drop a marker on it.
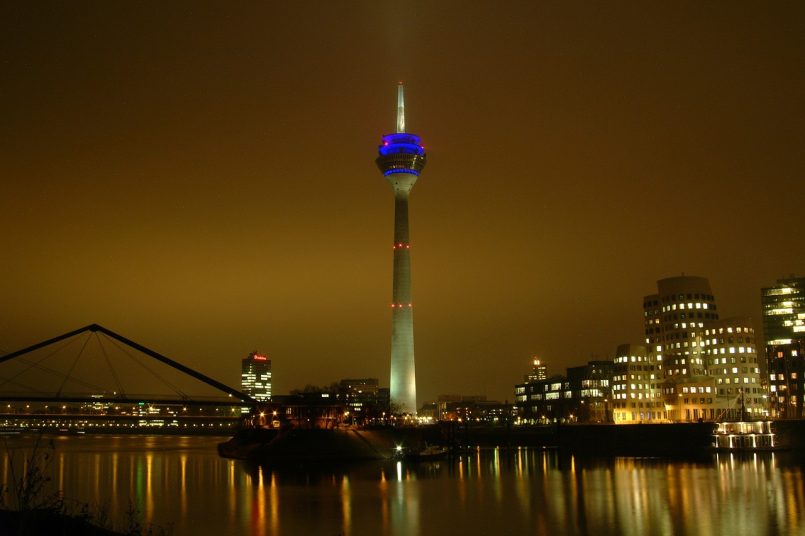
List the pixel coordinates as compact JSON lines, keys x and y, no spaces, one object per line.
{"x":401,"y":160}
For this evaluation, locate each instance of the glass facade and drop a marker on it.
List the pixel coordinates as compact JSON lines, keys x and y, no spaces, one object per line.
{"x":783,"y":308}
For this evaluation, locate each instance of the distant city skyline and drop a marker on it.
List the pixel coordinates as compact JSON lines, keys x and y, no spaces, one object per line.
{"x":200,"y":179}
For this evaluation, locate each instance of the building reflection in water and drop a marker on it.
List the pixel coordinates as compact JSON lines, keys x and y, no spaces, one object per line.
{"x":182,"y":483}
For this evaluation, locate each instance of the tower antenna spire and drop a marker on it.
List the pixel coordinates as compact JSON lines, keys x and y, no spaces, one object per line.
{"x":400,"y":107}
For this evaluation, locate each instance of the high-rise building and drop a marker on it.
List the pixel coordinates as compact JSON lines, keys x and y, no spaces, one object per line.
{"x":255,"y":376}
{"x":401,"y":160}
{"x":539,"y":371}
{"x":784,"y":331}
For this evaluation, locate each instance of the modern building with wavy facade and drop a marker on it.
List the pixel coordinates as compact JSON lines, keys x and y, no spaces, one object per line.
{"x":636,"y":386}
{"x":731,"y":356}
{"x":709,"y":366}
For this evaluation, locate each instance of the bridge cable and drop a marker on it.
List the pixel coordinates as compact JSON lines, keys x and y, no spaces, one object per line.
{"x":119,"y":385}
{"x":170,"y":386}
{"x":62,"y":375}
{"x":75,"y":362}
{"x":20,"y":384}
{"x":37,"y":364}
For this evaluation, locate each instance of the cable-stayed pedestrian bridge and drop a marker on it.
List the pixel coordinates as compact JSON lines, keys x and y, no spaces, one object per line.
{"x":94,"y":378}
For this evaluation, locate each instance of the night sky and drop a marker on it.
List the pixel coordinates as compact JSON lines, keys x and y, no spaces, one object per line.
{"x":201,"y":178}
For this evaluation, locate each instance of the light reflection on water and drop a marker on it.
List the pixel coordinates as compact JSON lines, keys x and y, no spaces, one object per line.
{"x":180,"y":483}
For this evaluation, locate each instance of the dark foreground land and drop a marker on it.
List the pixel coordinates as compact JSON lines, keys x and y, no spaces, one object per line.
{"x":46,"y":522}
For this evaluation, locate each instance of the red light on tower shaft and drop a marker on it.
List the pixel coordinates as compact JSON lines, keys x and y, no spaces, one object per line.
{"x":259,"y":357}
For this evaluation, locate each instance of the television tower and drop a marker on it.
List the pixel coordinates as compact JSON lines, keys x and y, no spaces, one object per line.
{"x":401,"y":159}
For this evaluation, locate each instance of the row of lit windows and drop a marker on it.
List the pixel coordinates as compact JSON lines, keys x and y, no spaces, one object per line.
{"x":635,"y":358}
{"x":737,"y":380}
{"x":734,"y":370}
{"x":728,"y":340}
{"x":683,"y":306}
{"x":638,"y":396}
{"x":640,"y":376}
{"x":641,"y":416}
{"x":732,"y":350}
{"x":781,"y":377}
{"x":634,"y":386}
{"x":595,"y":383}
{"x":732,"y":360}
{"x":729,"y":329}
{"x":684,"y":325}
{"x":638,"y":404}
{"x":677,"y":345}
{"x":683,"y":361}
{"x":696,"y":389}
{"x":781,"y":291}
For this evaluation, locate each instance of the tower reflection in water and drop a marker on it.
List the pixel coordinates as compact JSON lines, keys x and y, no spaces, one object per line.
{"x":181,"y":484}
{"x":535,"y":490}
{"x":493,"y":491}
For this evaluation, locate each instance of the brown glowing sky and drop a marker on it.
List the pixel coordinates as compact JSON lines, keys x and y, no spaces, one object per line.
{"x":202,"y":180}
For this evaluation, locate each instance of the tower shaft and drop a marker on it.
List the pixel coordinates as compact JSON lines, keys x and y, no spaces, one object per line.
{"x":401,"y":159}
{"x":403,"y":372}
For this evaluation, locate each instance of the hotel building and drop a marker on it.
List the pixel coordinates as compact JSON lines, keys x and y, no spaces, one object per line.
{"x":539,"y":371}
{"x":255,"y":376}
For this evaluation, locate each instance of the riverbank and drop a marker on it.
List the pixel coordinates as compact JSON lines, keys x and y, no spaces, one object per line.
{"x":297,"y":445}
{"x":673,"y":439}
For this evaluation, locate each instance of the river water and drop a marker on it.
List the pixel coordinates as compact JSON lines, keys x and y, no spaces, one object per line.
{"x":180,"y":484}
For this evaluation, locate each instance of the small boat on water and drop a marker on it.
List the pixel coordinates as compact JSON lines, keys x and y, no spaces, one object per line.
{"x":429,"y":452}
{"x":744,"y":436}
